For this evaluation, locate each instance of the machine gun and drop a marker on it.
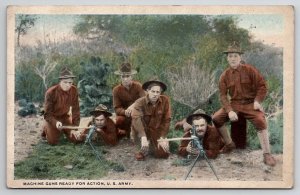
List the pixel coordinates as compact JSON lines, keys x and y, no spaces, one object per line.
{"x":88,"y":140}
{"x":196,"y":142}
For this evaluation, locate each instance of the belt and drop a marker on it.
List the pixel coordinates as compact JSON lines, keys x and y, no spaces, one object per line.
{"x":242,"y":101}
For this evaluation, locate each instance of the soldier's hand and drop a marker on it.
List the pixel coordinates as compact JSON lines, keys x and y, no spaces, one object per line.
{"x":76,"y":134}
{"x":187,"y":126}
{"x":164,"y":145}
{"x":257,"y":106}
{"x":233,"y":116}
{"x":128,"y":112}
{"x":58,"y":125}
{"x":191,"y":149}
{"x":144,"y":144}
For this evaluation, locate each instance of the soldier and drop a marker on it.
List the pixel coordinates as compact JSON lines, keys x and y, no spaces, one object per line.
{"x":151,"y":118}
{"x":211,"y":139}
{"x":247,"y":89}
{"x":124,"y":95}
{"x":61,"y":107}
{"x":105,"y":128}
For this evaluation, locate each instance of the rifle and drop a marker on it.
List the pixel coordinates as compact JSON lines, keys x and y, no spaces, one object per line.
{"x":198,"y":143}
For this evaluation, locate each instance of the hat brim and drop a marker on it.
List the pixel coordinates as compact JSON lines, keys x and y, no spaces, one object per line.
{"x":227,"y":52}
{"x":161,"y":84}
{"x":98,"y":112}
{"x":67,"y":77}
{"x":205,"y":116}
{"x":125,"y":73}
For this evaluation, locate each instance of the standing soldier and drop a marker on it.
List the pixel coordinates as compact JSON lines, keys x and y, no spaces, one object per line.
{"x":151,"y":118}
{"x":124,"y":95}
{"x":247,"y":89}
{"x":61,"y":108}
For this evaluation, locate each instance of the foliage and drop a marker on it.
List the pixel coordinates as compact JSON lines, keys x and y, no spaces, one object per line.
{"x":52,"y":162}
{"x":23,"y":23}
{"x":27,"y":84}
{"x":201,"y":84}
{"x":93,"y":86}
{"x":27,"y":109}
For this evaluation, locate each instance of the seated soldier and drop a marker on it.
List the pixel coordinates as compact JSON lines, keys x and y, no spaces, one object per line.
{"x":106,"y":131}
{"x":211,"y":139}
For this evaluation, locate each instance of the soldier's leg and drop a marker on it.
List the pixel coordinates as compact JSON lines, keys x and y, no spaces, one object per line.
{"x":158,"y":151}
{"x":124,"y":125}
{"x":239,"y":132}
{"x":52,"y":133}
{"x":67,"y":132}
{"x":259,"y":121}
{"x":219,"y":120}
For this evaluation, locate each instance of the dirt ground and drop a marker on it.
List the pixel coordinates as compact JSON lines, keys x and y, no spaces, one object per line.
{"x":240,"y":165}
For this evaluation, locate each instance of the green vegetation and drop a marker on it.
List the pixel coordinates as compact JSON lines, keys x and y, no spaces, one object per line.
{"x":64,"y":161}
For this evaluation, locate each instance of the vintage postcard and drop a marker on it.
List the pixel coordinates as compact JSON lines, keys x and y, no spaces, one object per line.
{"x":150,"y":96}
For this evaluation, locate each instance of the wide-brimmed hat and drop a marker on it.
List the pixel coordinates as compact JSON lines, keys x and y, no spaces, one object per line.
{"x":125,"y":69}
{"x":66,"y":73}
{"x":161,"y":84}
{"x":201,"y":113}
{"x":233,"y":48}
{"x":101,"y":109}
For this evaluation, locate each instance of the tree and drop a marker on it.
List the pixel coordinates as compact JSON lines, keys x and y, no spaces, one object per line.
{"x":23,"y":23}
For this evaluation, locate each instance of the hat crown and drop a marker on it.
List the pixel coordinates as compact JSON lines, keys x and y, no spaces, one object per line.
{"x":101,"y":107}
{"x":233,"y":48}
{"x":125,"y":68}
{"x":66,"y":73}
{"x":199,"y":111}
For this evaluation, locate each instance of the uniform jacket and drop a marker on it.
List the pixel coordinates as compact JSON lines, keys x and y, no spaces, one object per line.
{"x":123,"y":98}
{"x":212,"y":143}
{"x":108,"y":135}
{"x":244,"y":85}
{"x":153,"y":120}
{"x":58,"y":102}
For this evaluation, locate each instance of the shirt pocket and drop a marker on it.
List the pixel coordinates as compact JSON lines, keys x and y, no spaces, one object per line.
{"x":246,"y":83}
{"x":231,"y":87}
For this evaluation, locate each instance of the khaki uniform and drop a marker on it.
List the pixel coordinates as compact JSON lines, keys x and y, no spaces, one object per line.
{"x":152,"y":121}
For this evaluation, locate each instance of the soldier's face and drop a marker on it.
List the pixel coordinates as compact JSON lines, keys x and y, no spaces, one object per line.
{"x":154,"y":93}
{"x":200,"y":126}
{"x":234,"y":60}
{"x":126,"y":80}
{"x":66,"y":84}
{"x":100,"y":121}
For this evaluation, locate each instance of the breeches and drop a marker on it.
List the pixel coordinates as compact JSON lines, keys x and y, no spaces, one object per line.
{"x":256,"y":117}
{"x":124,"y":123}
{"x":53,"y":134}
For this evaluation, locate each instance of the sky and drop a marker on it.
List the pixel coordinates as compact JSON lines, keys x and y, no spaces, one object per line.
{"x":263,"y":27}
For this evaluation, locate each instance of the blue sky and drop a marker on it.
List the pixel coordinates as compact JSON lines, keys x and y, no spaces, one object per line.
{"x":264,"y":27}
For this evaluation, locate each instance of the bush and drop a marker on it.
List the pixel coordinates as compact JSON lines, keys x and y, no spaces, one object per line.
{"x":29,"y":109}
{"x":93,"y":87}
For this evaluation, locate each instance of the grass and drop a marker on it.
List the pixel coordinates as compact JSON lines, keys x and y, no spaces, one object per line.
{"x":65,"y":161}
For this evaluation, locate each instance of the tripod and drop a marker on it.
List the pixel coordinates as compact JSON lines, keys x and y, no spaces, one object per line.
{"x":88,"y":140}
{"x":198,"y":143}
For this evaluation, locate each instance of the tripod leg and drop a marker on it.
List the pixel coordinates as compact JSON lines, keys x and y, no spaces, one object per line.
{"x":211,"y":167}
{"x":95,"y":151}
{"x":187,"y":175}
